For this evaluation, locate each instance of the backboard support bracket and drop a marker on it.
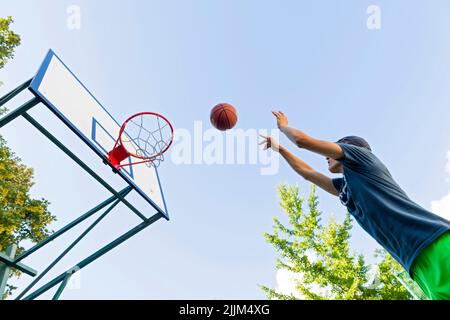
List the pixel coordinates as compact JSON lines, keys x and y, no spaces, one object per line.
{"x":10,"y":262}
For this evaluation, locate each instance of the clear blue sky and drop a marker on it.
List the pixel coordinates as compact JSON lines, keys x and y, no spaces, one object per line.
{"x":315,"y":60}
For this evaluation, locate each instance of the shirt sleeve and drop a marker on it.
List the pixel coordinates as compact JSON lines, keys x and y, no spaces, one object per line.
{"x":338,"y":184}
{"x":356,"y":157}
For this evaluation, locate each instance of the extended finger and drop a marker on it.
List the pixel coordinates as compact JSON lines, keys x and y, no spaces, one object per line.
{"x":266,"y":140}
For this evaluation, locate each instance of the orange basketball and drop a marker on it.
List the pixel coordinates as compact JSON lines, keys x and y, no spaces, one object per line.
{"x":224,"y":117}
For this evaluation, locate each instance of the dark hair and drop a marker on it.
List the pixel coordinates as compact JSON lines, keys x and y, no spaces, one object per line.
{"x":355,"y":141}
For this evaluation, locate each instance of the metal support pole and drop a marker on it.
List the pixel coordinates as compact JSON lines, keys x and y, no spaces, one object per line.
{"x":15,"y":92}
{"x":19,"y":266}
{"x":411,"y":287}
{"x":95,"y":256}
{"x":62,"y":286}
{"x":82,"y":164}
{"x":18,"y":112}
{"x":5,"y":270}
{"x":71,"y":225}
{"x":70,"y":247}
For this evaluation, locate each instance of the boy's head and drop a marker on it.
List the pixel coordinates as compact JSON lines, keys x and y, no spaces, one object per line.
{"x":334,"y":165}
{"x":355,"y":141}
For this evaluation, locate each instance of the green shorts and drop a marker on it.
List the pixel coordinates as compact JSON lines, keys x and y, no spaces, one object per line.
{"x":431,"y":269}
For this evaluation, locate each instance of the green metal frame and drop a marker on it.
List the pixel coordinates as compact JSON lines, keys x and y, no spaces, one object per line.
{"x":8,"y":259}
{"x":5,"y":269}
{"x":410,"y":285}
{"x":11,"y":262}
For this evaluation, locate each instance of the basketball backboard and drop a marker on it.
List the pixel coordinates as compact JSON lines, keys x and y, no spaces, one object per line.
{"x":65,"y":95}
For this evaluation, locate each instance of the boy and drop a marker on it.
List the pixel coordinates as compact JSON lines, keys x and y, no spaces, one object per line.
{"x":418,"y":239}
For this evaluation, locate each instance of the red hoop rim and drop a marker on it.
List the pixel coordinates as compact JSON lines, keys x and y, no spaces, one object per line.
{"x":122,"y":130}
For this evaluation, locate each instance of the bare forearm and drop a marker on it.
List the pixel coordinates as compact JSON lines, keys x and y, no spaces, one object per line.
{"x":301,"y":167}
{"x":296,"y":136}
{"x":308,"y":173}
{"x":302,"y":140}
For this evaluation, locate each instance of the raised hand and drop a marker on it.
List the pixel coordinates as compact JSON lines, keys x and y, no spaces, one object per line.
{"x":282,"y":120}
{"x":270,"y":143}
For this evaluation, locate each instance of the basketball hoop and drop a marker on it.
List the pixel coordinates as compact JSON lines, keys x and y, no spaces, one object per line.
{"x":145,"y":136}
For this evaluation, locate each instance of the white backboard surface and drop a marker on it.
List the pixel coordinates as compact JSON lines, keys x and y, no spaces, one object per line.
{"x":68,"y":98}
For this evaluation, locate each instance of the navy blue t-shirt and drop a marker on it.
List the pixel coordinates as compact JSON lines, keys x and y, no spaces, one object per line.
{"x":383,"y":209}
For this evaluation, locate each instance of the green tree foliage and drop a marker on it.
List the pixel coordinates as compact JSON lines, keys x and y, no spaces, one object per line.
{"x":8,"y":41}
{"x":320,"y":255}
{"x":21,"y":216}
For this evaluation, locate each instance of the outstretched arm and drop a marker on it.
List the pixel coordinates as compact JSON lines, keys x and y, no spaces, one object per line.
{"x":302,"y":140}
{"x":301,"y":167}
